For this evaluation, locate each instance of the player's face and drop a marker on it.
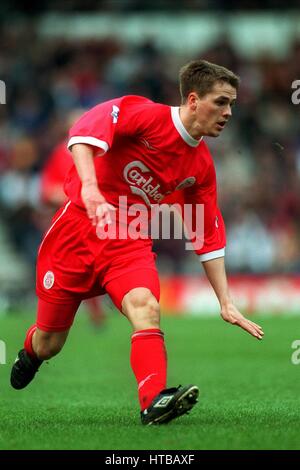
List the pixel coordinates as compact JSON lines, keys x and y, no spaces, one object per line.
{"x":212,"y":111}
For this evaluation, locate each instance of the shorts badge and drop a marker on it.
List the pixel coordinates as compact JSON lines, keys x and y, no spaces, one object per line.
{"x":48,"y":280}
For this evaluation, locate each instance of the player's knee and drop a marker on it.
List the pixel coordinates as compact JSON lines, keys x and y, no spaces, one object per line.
{"x":48,"y":345}
{"x":141,"y":308}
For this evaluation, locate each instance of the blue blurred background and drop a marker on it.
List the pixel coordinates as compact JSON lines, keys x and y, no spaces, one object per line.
{"x":56,"y":57}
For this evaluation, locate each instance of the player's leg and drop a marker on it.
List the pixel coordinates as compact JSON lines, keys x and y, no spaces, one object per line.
{"x":148,"y":354}
{"x":140,"y":305}
{"x":43,"y":340}
{"x":46,"y":344}
{"x":95,"y":311}
{"x":64,"y":275}
{"x":148,"y":357}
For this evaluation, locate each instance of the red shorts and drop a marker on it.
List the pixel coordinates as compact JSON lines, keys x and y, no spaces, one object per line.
{"x":74,"y":264}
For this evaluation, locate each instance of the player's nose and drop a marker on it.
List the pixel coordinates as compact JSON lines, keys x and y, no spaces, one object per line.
{"x":227,"y":113}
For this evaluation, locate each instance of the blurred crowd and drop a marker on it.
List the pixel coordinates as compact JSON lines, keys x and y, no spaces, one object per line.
{"x":123,"y":6}
{"x":257,"y":157}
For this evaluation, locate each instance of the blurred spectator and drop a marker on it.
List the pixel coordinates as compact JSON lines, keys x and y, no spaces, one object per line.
{"x":19,"y":197}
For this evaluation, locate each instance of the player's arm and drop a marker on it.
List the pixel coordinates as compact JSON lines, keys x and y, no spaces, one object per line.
{"x":211,"y":253}
{"x":216,"y":274}
{"x":89,"y":138}
{"x":96,"y":206}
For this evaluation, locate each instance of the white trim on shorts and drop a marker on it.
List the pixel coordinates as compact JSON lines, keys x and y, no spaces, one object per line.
{"x":54,"y":223}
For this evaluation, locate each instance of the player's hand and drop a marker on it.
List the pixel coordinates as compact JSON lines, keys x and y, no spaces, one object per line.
{"x":98,"y":209}
{"x":103,"y":214}
{"x":231,"y":315}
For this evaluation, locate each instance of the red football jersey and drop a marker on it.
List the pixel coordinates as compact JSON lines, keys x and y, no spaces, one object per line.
{"x":143,"y":151}
{"x":54,"y":173}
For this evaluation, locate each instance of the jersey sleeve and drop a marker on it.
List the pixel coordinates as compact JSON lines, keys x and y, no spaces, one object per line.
{"x":99,"y":126}
{"x":96,"y":127}
{"x":210,"y":238}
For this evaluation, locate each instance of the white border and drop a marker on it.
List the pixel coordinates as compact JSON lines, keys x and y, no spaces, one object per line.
{"x":54,"y":223}
{"x":212,"y":255}
{"x":181,"y":129}
{"x":90,"y":141}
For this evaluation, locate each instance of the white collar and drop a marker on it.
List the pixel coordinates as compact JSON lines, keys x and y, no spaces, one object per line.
{"x":181,"y":129}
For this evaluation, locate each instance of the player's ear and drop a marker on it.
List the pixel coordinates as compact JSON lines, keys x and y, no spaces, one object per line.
{"x":192,"y":100}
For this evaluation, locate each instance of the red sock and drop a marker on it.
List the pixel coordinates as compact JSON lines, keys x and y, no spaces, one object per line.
{"x":149,"y":363}
{"x":28,"y":341}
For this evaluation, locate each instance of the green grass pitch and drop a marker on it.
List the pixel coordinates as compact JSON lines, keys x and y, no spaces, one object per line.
{"x":86,"y":397}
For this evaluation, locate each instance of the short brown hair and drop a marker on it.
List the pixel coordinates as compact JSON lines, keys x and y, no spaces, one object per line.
{"x":200,"y":76}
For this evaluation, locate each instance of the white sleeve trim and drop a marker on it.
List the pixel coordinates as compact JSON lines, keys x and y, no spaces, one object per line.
{"x":91,"y":141}
{"x":212,"y":255}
